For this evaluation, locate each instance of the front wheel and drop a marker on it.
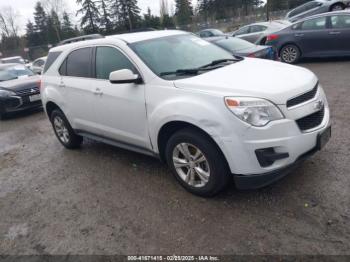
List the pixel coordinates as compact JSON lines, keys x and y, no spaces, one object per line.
{"x":63,"y":130}
{"x":290,"y":54}
{"x":197,"y":163}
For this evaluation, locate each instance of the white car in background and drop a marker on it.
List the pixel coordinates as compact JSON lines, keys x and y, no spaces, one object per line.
{"x":209,"y":115}
{"x":38,"y":65}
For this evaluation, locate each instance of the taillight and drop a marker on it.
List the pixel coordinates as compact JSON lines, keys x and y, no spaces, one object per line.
{"x":272,"y":37}
{"x":251,"y":55}
{"x":39,"y":84}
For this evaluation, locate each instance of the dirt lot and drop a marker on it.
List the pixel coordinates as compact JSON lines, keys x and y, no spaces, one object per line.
{"x":104,"y":200}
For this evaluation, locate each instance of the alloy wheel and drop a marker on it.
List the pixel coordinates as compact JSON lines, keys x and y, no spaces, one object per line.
{"x":191,"y":165}
{"x":290,"y":54}
{"x":61,"y":129}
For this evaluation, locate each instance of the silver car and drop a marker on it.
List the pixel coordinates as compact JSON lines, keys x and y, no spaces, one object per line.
{"x":316,"y":7}
{"x":38,"y":65}
{"x":256,"y":33}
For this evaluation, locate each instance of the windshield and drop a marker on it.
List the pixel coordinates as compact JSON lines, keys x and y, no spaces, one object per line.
{"x":179,"y":52}
{"x":234,"y":44}
{"x":14,"y":72}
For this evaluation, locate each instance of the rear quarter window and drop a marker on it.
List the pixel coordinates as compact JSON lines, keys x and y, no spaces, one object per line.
{"x":50,"y":60}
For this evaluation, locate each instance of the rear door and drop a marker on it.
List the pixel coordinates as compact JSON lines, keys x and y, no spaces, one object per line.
{"x":120,"y":109}
{"x":313,"y":38}
{"x":76,"y":85}
{"x":340,"y":34}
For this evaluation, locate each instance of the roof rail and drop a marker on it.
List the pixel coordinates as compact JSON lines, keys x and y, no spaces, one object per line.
{"x":80,"y":38}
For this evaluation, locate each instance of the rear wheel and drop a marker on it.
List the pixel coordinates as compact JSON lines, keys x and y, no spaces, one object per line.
{"x":197,"y":163}
{"x":337,"y":7}
{"x":63,"y":130}
{"x":290,"y":54}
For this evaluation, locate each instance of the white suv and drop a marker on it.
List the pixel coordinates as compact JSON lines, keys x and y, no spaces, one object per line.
{"x":209,"y":115}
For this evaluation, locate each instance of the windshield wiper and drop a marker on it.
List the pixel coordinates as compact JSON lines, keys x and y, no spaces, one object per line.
{"x":221,"y":61}
{"x":191,"y":71}
{"x":194,"y":71}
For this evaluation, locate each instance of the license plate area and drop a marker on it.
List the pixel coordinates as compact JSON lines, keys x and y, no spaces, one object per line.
{"x":323,"y":138}
{"x":34,"y":98}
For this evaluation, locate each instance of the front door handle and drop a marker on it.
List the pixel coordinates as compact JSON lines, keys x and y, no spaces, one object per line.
{"x":62,"y":85}
{"x":334,"y":33}
{"x":299,"y":35}
{"x":98,"y":91}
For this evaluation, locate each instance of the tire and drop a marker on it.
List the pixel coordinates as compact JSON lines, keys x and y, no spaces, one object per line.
{"x":290,"y":54}
{"x":337,"y":7}
{"x":205,"y":177}
{"x":63,"y":130}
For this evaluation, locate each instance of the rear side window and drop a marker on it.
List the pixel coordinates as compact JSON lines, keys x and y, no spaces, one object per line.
{"x":243,"y":30}
{"x":257,"y":28}
{"x":109,"y":59}
{"x":315,"y":24}
{"x":78,"y":63}
{"x":51,"y":59}
{"x":340,"y":21}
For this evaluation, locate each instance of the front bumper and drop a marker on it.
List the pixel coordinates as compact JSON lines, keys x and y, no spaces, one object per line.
{"x":14,"y":104}
{"x":255,"y":181}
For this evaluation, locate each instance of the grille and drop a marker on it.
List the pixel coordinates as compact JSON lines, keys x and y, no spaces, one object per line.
{"x":311,"y":121}
{"x":28,"y":92}
{"x":303,"y":98}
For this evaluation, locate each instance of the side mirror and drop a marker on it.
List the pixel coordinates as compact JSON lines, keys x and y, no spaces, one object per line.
{"x":124,"y":76}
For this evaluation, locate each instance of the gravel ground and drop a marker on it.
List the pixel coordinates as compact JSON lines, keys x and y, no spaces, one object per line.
{"x":104,"y":200}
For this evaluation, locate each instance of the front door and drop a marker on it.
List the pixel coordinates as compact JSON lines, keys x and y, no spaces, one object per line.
{"x":120,"y":110}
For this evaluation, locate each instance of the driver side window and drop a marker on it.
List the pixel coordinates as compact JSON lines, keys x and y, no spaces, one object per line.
{"x":243,"y":30}
{"x":109,"y":59}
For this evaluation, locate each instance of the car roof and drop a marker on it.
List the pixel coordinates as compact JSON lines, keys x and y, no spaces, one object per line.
{"x":127,"y":38}
{"x":12,"y":57}
{"x":347,"y":12}
{"x":10,"y":65}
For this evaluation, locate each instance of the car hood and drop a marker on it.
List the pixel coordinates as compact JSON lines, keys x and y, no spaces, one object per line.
{"x":20,"y":83}
{"x":274,"y":81}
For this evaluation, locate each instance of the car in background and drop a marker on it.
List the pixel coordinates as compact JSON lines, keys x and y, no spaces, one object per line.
{"x":38,"y":65}
{"x":324,"y":35}
{"x":316,"y":7}
{"x":242,"y":47}
{"x":19,"y":89}
{"x":256,"y":33}
{"x":207,"y":33}
{"x":13,"y":59}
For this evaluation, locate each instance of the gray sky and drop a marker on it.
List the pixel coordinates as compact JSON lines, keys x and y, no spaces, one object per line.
{"x":26,"y":8}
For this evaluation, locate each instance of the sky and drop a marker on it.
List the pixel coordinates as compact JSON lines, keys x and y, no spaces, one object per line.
{"x":25,"y":8}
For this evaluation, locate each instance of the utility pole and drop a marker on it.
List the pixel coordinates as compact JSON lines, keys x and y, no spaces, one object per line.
{"x":267,"y":10}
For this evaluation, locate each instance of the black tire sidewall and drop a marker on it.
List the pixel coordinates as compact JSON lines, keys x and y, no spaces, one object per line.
{"x":74,"y":140}
{"x":296,"y":48}
{"x":219,"y":175}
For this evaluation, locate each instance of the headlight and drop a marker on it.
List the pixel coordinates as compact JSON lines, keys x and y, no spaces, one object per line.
{"x":5,"y":93}
{"x":254,"y":111}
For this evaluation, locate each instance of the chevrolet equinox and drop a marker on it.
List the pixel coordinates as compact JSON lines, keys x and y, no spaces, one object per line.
{"x":209,"y":115}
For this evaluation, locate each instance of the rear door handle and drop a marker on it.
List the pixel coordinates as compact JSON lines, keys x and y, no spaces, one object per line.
{"x":299,"y":35}
{"x":334,"y":33}
{"x":62,"y":85}
{"x":98,"y":91}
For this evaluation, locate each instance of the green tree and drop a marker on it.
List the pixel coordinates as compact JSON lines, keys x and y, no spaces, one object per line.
{"x":90,"y":16}
{"x":40,"y":19}
{"x":54,"y":28}
{"x":105,"y":21}
{"x":183,"y":11}
{"x":67,"y":27}
{"x":150,"y":21}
